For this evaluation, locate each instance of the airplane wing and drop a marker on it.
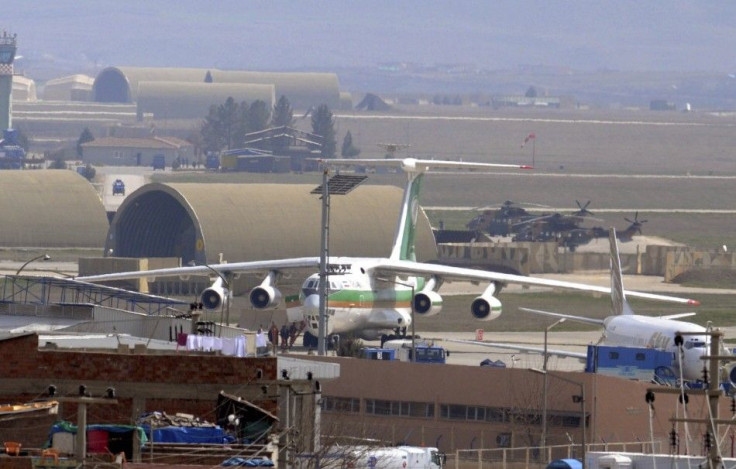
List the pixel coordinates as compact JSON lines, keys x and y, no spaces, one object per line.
{"x":678,"y":316}
{"x":380,"y":266}
{"x":449,"y":273}
{"x":414,"y":163}
{"x":224,"y":269}
{"x":597,"y":322}
{"x":522,"y":348}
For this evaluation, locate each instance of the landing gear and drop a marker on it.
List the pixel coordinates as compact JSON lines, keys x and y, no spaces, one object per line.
{"x":310,"y":341}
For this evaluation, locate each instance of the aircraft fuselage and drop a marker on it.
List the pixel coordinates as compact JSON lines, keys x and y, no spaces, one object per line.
{"x":659,"y":333}
{"x":355,"y":302}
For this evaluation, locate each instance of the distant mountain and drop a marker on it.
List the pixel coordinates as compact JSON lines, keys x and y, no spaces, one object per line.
{"x":466,"y":39}
{"x":620,"y":35}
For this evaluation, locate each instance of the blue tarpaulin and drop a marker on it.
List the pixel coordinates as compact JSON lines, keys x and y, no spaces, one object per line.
{"x":197,"y":435}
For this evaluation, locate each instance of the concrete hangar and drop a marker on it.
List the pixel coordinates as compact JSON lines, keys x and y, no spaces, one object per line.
{"x":186,"y":93}
{"x":50,"y":209}
{"x":210,"y":223}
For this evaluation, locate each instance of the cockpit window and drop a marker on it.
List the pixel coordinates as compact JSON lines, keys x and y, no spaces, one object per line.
{"x":311,"y":286}
{"x":694,"y":344}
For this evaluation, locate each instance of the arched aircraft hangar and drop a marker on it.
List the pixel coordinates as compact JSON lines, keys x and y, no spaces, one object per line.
{"x":245,"y":222}
{"x":50,"y":209}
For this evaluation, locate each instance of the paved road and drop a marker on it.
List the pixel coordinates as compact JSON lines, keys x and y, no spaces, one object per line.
{"x":131,"y":181}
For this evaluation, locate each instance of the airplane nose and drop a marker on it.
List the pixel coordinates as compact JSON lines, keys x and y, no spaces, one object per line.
{"x":693,"y":367}
{"x":311,"y":305}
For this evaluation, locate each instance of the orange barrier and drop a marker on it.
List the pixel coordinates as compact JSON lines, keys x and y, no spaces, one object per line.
{"x":12,"y":447}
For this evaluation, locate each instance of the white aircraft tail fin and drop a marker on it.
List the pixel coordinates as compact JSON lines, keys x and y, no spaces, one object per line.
{"x":403,"y":246}
{"x":619,"y":305}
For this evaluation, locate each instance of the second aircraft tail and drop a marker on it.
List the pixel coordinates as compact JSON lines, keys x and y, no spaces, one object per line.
{"x":619,"y":305}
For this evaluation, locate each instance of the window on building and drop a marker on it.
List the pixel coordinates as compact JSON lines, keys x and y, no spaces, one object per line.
{"x":340,"y":404}
{"x":399,"y":408}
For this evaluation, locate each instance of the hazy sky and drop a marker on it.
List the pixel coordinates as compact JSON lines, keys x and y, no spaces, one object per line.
{"x":676,"y":35}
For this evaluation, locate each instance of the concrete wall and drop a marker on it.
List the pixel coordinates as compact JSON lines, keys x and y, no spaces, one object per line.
{"x":678,"y":261}
{"x":521,"y":258}
{"x":537,"y":258}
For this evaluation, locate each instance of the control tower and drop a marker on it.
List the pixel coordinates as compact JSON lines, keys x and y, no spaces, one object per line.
{"x":7,"y":56}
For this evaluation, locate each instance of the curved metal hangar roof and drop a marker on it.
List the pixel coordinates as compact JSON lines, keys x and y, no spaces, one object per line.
{"x":50,"y":208}
{"x":248,"y":222}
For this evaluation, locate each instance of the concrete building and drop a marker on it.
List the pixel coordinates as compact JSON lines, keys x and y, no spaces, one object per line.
{"x":24,"y":89}
{"x":70,"y":88}
{"x":457,"y":407}
{"x":117,"y":151}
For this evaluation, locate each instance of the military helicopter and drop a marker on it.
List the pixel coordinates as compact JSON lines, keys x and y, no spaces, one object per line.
{"x":500,"y":222}
{"x":570,"y":236}
{"x":555,"y":226}
{"x":632,"y":229}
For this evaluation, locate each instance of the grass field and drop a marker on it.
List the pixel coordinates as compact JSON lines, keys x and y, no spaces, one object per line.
{"x":617,"y":159}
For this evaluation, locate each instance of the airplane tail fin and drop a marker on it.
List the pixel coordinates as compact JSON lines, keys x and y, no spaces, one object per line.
{"x":404,"y":247}
{"x":619,"y":305}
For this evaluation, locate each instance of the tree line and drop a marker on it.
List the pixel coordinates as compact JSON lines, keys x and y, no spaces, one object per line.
{"x":226,"y":126}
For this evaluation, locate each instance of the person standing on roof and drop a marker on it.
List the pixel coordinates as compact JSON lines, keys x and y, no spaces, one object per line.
{"x":284,"y":337}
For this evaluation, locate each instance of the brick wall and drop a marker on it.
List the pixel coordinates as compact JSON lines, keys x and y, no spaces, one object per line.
{"x":184,"y":382}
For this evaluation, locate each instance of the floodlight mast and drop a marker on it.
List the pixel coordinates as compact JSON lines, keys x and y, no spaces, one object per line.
{"x":323,"y":254}
{"x":342,"y":185}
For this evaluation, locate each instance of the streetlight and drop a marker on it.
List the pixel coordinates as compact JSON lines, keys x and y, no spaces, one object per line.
{"x":544,"y":392}
{"x":411,"y":304}
{"x":580,"y":398}
{"x":45,"y":257}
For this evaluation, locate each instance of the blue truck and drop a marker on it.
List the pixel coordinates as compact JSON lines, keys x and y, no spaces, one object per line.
{"x":643,"y":364}
{"x":401,"y":350}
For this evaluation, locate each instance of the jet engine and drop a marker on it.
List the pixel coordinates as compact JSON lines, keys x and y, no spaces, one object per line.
{"x":427,"y":303}
{"x":486,"y":307}
{"x":266,"y":295}
{"x":731,"y":373}
{"x":214,"y":296}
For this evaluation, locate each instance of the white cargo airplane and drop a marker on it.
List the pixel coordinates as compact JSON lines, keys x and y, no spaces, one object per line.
{"x":623,"y":328}
{"x":369,"y":297}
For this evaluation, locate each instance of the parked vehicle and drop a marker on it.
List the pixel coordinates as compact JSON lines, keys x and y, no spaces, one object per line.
{"x":400,"y":457}
{"x":401,"y":350}
{"x":159,"y":162}
{"x":118,"y":187}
